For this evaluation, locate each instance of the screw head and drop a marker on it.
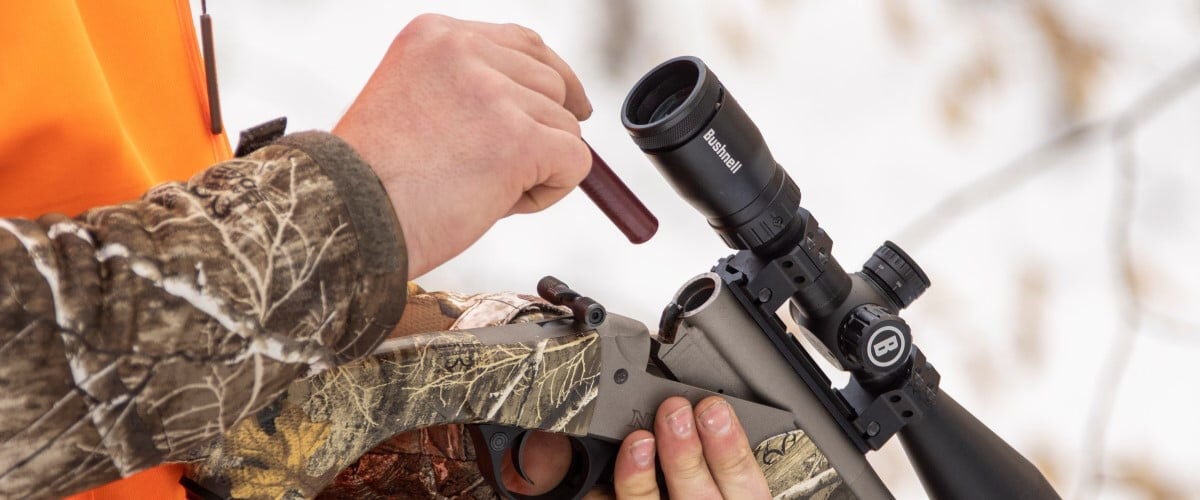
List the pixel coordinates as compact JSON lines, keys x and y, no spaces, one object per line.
{"x":764,"y":295}
{"x":596,"y":315}
{"x":621,"y":376}
{"x":873,"y":429}
{"x":498,"y":442}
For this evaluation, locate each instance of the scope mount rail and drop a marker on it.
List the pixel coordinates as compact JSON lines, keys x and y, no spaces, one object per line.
{"x":763,"y":285}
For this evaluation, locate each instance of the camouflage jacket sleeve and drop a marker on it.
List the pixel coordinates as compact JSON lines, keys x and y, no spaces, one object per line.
{"x":366,"y":430}
{"x":136,"y":332}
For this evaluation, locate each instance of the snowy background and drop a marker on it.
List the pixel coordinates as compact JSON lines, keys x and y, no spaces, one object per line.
{"x":1038,"y":158}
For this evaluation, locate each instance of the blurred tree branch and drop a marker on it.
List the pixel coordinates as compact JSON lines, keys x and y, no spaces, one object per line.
{"x":1129,"y":317}
{"x":1077,"y":58}
{"x":620,"y":35}
{"x":1022,"y":169}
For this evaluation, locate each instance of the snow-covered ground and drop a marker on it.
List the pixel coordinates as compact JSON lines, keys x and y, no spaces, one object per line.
{"x":878,"y":110}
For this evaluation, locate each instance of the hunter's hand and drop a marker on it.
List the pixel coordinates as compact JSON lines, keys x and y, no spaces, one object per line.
{"x":466,"y":122}
{"x":703,"y":451}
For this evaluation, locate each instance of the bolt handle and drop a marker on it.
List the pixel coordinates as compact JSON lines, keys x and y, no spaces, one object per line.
{"x":588,"y":313}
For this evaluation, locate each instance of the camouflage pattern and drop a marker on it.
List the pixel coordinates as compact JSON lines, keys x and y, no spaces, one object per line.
{"x":295,"y":449}
{"x":170,"y":328}
{"x":431,"y":463}
{"x":135,"y":333}
{"x":434,"y":462}
{"x":796,"y":469}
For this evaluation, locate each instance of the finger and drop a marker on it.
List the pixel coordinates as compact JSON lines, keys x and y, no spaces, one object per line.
{"x":727,"y":451}
{"x":546,"y":460}
{"x":529,"y":72}
{"x":599,"y":493}
{"x":517,"y":37}
{"x":564,"y":162}
{"x":537,"y":199}
{"x":680,"y":453}
{"x":633,"y":474}
{"x":544,"y":110}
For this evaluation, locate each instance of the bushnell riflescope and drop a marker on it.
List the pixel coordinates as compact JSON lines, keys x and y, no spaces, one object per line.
{"x":713,"y":155}
{"x":710,"y":151}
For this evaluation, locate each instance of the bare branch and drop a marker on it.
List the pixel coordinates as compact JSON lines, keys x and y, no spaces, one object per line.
{"x":1128,"y":324}
{"x":1017,"y":172}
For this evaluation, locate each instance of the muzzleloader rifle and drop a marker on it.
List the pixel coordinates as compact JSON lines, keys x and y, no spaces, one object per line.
{"x":597,"y":376}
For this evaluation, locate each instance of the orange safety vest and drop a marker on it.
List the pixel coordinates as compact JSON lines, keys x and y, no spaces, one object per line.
{"x":99,"y":101}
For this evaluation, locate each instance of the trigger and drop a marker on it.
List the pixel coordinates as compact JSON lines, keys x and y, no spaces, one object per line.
{"x":518,"y":456}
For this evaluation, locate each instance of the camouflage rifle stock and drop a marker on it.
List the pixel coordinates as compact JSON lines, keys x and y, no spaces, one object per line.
{"x":545,"y":373}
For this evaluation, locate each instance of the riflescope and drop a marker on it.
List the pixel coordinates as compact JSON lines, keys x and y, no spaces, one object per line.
{"x":713,"y":155}
{"x":710,"y":151}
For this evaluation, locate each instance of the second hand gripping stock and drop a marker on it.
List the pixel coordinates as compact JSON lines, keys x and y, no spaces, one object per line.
{"x":631,"y":381}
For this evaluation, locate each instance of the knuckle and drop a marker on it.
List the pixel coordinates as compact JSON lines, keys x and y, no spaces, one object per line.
{"x":525,"y":127}
{"x":426,"y":23}
{"x":740,"y":463}
{"x":458,"y":42}
{"x":561,"y":119}
{"x":690,"y":466}
{"x":489,"y":85}
{"x":575,"y":130}
{"x":537,"y":159}
{"x":530,"y":36}
{"x":581,"y":161}
{"x":516,"y":138}
{"x":431,"y":32}
{"x":555,"y":85}
{"x":638,"y":487}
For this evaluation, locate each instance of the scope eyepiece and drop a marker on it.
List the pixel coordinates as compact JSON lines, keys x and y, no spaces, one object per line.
{"x":671,"y":103}
{"x":697,"y":135}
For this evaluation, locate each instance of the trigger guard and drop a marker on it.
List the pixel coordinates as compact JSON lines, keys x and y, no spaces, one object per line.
{"x":518,"y":456}
{"x":591,"y":461}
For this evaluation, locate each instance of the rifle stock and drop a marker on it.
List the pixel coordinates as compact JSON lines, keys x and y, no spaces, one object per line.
{"x":520,"y":375}
{"x":546,"y":375}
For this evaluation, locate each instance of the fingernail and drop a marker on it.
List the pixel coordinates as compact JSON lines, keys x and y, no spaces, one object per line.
{"x":680,"y":421}
{"x":642,"y":452}
{"x":716,"y":419}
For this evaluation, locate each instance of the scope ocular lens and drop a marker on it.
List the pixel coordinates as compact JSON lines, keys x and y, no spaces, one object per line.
{"x":690,"y":126}
{"x":662,"y":94}
{"x":670,"y":104}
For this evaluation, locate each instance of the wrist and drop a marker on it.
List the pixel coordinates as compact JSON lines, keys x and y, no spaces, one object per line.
{"x":368,"y":148}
